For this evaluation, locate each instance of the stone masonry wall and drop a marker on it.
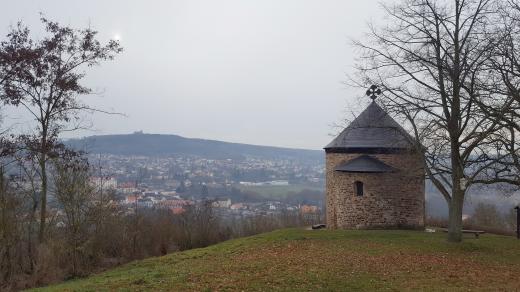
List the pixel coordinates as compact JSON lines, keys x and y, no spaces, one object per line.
{"x":390,"y":200}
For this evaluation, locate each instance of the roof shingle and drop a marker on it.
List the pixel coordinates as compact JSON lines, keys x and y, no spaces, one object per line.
{"x":372,"y":129}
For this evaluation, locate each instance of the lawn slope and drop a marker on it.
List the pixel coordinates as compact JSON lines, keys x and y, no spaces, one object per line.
{"x":306,"y":260}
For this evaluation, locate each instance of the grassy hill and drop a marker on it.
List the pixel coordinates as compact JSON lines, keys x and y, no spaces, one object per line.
{"x":307,"y":260}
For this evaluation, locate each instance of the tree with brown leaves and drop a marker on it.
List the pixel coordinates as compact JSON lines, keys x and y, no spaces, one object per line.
{"x":48,"y":85}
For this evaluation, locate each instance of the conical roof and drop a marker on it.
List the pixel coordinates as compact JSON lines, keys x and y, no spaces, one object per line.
{"x":372,"y":130}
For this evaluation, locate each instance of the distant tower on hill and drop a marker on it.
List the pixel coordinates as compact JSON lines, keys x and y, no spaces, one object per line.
{"x":375,"y":175}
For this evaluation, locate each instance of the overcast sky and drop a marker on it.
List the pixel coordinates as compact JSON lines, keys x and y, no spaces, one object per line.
{"x":267,"y":72}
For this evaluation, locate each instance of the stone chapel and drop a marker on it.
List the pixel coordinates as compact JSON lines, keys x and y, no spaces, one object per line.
{"x":374,"y":174}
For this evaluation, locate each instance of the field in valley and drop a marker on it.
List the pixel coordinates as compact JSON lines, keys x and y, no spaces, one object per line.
{"x":271,"y":192}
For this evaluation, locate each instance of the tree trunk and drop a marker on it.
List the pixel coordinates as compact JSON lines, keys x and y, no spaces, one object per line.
{"x":30,"y":235}
{"x":457,"y":193}
{"x":455,"y":219}
{"x":43,"y":198}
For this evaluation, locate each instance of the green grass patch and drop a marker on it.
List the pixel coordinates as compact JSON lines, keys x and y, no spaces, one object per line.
{"x":323,"y":260}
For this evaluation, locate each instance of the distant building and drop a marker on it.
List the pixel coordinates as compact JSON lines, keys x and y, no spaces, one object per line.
{"x":266,"y":183}
{"x":177,"y":203}
{"x":104,"y":182}
{"x":374,"y":175}
{"x":172,"y":183}
{"x":131,"y":199}
{"x":145,"y":202}
{"x":170,"y":194}
{"x":279,"y":183}
{"x":177,"y":210}
{"x":238,"y":206}
{"x":308,"y":209}
{"x":222,"y":204}
{"x":127,"y":187}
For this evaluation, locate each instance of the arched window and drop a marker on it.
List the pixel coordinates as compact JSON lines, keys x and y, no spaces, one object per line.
{"x":358,"y":188}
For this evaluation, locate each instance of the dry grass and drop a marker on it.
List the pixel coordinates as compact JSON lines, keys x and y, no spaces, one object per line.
{"x":304,"y":260}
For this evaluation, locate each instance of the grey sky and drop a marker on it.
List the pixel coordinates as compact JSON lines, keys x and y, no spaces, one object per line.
{"x":265,"y":72}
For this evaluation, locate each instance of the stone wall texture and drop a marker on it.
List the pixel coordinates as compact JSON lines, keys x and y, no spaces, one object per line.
{"x":390,"y":200}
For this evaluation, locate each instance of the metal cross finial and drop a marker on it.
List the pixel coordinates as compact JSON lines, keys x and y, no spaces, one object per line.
{"x":373,"y":92}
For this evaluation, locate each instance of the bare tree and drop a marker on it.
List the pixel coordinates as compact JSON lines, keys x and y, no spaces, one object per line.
{"x":9,"y":229}
{"x":433,"y":60}
{"x":198,"y":226}
{"x":75,"y":194}
{"x":505,"y":66}
{"x":487,"y":215}
{"x":48,"y":85}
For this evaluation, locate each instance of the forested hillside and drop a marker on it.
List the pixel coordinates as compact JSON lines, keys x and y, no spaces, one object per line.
{"x":156,"y":145}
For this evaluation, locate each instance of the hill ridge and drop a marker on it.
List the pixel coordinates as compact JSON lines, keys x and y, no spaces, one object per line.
{"x":168,"y":144}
